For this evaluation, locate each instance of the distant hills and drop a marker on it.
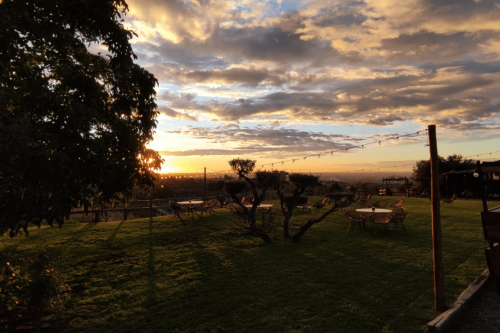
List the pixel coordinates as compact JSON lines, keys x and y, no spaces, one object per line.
{"x":352,"y":177}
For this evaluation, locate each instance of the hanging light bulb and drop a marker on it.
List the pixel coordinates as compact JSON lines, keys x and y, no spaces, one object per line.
{"x":496,"y":177}
{"x":475,"y":173}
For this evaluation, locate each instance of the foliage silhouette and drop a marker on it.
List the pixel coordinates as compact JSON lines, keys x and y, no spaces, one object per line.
{"x":74,"y":125}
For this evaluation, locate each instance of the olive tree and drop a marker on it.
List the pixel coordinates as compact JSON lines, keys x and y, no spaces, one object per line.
{"x":74,"y":124}
{"x":259,"y":184}
{"x":289,"y":193}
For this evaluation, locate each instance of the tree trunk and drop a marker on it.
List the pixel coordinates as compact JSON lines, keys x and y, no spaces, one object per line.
{"x":302,"y":230}
{"x":286,"y":220}
{"x":265,"y":237}
{"x":251,"y":218}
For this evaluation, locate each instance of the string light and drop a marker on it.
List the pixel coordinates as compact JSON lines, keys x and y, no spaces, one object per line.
{"x":366,"y":144}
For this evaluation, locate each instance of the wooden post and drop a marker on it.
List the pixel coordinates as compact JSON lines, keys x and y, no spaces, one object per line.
{"x":204,"y":183}
{"x":125,"y":213}
{"x":465,"y":182}
{"x":437,"y":250}
{"x":482,"y":187}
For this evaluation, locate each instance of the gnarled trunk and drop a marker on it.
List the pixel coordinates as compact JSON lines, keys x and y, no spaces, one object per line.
{"x":286,"y":221}
{"x":302,"y":230}
{"x":265,"y":237}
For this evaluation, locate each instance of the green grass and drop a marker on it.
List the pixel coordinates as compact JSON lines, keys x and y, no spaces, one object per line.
{"x":211,"y":275}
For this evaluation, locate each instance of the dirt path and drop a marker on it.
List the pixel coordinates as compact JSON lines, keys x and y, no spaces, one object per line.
{"x":483,"y":316}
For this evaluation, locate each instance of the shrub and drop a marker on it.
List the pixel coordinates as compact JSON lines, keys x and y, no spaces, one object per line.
{"x":29,"y":289}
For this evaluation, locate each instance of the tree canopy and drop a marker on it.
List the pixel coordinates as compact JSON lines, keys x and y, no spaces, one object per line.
{"x":74,"y":124}
{"x":422,"y":169}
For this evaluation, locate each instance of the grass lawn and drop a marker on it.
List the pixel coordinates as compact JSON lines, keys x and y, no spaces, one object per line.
{"x":211,"y":275}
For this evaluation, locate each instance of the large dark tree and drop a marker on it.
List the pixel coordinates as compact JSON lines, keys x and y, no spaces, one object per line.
{"x":422,"y":169}
{"x":74,"y":124}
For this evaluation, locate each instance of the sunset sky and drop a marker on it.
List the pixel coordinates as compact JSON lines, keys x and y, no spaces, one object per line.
{"x":281,"y":80}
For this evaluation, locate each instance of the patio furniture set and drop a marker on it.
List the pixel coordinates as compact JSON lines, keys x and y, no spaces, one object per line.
{"x":186,"y":210}
{"x":377,"y":214}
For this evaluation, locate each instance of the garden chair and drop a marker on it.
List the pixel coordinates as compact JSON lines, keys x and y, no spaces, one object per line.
{"x":320,"y":204}
{"x":380,"y":203}
{"x":398,"y":217}
{"x":493,"y":261}
{"x":355,"y":217}
{"x":177,"y":210}
{"x":222,"y":200}
{"x":449,"y":200}
{"x":380,"y":219}
{"x":364,"y":203}
{"x":238,"y":212}
{"x":490,"y":219}
{"x":397,"y":203}
{"x":209,"y":206}
{"x":263,"y":212}
{"x":308,"y":206}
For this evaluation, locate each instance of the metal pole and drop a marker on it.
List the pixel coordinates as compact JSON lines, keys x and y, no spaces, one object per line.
{"x":150,"y":207}
{"x":437,"y":250}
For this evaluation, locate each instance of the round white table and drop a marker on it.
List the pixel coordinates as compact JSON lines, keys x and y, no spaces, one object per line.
{"x":190,"y":202}
{"x":192,"y":206}
{"x":260,"y":206}
{"x":373,"y":211}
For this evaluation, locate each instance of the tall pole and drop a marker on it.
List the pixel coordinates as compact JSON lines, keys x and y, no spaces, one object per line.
{"x":437,"y":250}
{"x":204,"y":183}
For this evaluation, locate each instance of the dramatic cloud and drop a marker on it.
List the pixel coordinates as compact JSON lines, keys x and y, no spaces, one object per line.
{"x":380,"y":64}
{"x":269,"y":140}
